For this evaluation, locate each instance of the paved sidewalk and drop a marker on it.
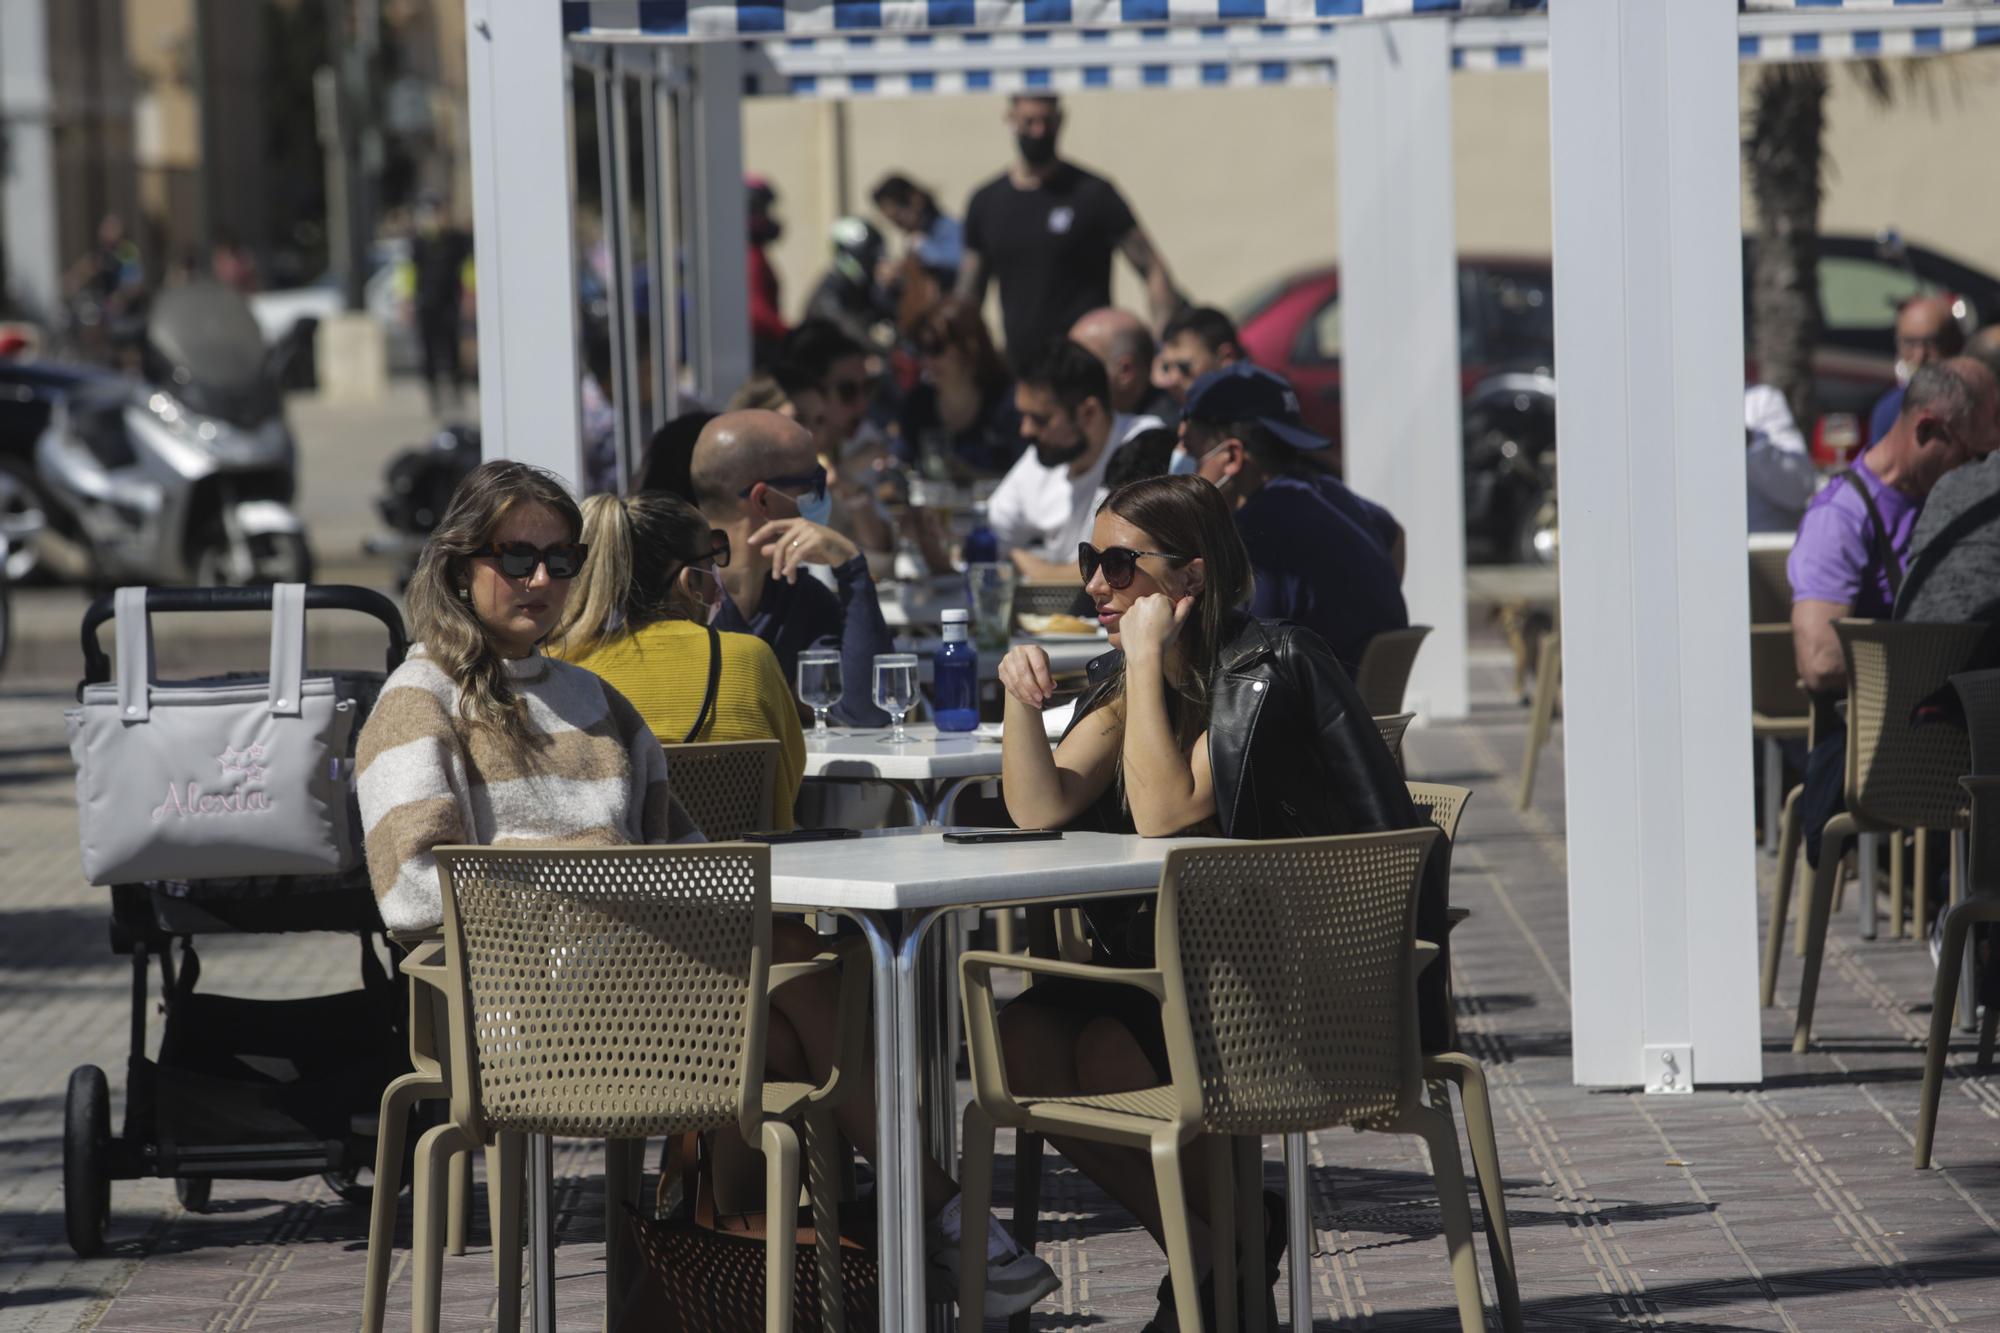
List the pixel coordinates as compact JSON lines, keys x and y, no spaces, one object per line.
{"x":1792,"y":1206}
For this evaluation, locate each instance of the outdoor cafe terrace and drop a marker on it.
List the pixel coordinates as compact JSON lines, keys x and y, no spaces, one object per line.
{"x":1792,"y":1206}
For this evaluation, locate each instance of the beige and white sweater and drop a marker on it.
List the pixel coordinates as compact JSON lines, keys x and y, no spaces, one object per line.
{"x":428,"y":778}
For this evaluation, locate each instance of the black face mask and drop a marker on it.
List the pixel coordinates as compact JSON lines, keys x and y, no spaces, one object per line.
{"x":1036,"y":152}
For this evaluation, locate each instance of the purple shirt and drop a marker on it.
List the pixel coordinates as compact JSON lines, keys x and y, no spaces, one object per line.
{"x":1836,"y":557}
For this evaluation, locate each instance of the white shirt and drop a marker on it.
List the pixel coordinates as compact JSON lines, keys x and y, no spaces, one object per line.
{"x":1780,"y":469}
{"x":1047,"y":512}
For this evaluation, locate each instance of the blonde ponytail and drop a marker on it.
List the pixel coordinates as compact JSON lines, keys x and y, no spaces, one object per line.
{"x":599,"y":608}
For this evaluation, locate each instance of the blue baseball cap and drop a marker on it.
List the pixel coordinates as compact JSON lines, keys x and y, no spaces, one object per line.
{"x":1243,"y":392}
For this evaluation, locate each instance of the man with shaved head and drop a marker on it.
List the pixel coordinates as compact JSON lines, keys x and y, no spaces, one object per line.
{"x":1926,"y":331}
{"x":757,"y":476}
{"x":1123,"y":343}
{"x":1853,"y":550}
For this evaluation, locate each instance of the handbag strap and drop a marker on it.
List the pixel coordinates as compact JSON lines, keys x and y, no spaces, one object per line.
{"x":714,"y":678}
{"x":134,"y":633}
{"x":288,"y":647}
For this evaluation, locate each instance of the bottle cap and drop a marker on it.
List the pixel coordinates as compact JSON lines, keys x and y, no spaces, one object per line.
{"x":956,"y":616}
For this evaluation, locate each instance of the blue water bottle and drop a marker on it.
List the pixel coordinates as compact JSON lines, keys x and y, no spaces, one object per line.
{"x":955,"y":679}
{"x":981,"y":546}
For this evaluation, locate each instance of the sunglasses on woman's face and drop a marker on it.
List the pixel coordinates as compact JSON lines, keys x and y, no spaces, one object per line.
{"x":517,"y":560}
{"x":1119,"y":563}
{"x":718,"y":550}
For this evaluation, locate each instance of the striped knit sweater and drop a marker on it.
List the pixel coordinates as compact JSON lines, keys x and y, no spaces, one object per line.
{"x":428,"y":778}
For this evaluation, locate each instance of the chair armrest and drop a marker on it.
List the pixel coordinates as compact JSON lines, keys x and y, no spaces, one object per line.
{"x":851,"y":1015}
{"x":426,"y":964}
{"x":982,"y":1015}
{"x":1454,"y":915}
{"x":1427,"y":953}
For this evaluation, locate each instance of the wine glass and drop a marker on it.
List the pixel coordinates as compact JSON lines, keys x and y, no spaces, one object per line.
{"x":819,"y":685}
{"x":895,"y":691}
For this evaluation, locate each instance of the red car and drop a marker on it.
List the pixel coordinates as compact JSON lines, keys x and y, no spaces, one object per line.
{"x":1507,"y":359}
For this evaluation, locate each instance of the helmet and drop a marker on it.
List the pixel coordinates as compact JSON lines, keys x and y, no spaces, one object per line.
{"x":857,"y":249}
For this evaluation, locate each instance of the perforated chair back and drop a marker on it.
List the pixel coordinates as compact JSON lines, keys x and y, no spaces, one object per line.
{"x":1979,"y":692}
{"x":728,"y":788}
{"x":1384,"y":671}
{"x":1775,"y":692}
{"x":1047,"y":598}
{"x":1770,"y":584}
{"x":1442,"y":805}
{"x":1289,"y":970}
{"x":1901,"y":776}
{"x":607,"y":992}
{"x":1392,"y":729}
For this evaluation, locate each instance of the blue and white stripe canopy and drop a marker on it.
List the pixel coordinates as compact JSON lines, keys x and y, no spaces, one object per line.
{"x":898,"y":48}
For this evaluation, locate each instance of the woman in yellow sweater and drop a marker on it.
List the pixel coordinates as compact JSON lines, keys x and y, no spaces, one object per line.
{"x":639,"y":619}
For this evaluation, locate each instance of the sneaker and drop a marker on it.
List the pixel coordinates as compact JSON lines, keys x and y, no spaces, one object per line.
{"x":1015,"y":1279}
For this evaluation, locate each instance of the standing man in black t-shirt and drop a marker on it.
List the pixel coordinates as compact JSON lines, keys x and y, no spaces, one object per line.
{"x":1047,"y":229}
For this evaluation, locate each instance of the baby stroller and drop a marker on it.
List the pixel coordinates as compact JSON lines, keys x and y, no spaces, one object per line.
{"x":241,"y":1089}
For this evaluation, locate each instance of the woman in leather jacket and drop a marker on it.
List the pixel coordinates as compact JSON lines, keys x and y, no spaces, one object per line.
{"x":1206,"y":721}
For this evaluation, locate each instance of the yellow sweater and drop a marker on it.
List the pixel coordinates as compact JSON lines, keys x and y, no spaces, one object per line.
{"x":663,"y":670}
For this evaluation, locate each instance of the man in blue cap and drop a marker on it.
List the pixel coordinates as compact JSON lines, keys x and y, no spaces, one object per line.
{"x":1323,"y":556}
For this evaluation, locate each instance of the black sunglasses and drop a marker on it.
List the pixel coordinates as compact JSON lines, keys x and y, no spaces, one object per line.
{"x":798,"y":487}
{"x":718,"y":550}
{"x":1119,"y":563}
{"x":518,"y":559}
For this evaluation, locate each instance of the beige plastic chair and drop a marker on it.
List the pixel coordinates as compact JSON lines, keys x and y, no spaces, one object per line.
{"x":728,"y":788}
{"x":1384,"y":671}
{"x":1780,"y":711}
{"x":1542,"y":712}
{"x":1770,"y":585}
{"x":1287,"y":980}
{"x":617,"y":993}
{"x":1392,"y":728}
{"x":1898,"y":777}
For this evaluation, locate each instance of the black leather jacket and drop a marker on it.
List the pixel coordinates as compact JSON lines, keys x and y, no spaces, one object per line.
{"x":1294,"y":754}
{"x":1292,"y":748}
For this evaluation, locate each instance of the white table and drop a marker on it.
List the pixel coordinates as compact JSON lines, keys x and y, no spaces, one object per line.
{"x":1067,"y":656}
{"x":930,"y":771}
{"x":898,"y":884}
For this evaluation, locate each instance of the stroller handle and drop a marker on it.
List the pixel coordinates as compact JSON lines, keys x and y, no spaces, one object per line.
{"x":319,"y":597}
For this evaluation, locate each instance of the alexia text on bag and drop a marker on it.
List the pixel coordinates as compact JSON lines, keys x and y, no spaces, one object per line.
{"x":245,"y":766}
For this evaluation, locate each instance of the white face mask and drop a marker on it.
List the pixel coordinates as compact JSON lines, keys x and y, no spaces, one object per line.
{"x":706,"y":587}
{"x":1184,"y":464}
{"x":1903,"y":372}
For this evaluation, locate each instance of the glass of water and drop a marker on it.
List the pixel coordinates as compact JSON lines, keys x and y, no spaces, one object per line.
{"x":895,"y":691}
{"x":819,"y":685}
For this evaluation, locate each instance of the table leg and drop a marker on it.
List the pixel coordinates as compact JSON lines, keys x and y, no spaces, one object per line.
{"x":890,"y":1154}
{"x":1774,"y":791}
{"x":541,"y":1232}
{"x":1968,"y":970}
{"x":1298,"y":1209}
{"x":1866,"y":852}
{"x":948,"y":802}
{"x":908,"y":1202}
{"x":922,"y":815}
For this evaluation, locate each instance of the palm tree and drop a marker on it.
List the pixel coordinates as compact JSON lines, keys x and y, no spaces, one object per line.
{"x":1784,"y":153}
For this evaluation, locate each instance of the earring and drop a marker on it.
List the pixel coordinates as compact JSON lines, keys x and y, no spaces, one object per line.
{"x":464,"y":593}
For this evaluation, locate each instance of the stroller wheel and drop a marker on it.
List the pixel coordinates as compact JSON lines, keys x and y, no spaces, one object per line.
{"x":87,"y":1160}
{"x":346,"y":1182}
{"x":193,"y":1191}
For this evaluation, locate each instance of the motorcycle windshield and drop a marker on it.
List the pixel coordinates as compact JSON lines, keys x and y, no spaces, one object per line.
{"x":204,"y":346}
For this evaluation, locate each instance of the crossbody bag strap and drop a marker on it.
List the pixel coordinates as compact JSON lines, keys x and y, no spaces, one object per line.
{"x":714,"y":679}
{"x":1885,"y":551}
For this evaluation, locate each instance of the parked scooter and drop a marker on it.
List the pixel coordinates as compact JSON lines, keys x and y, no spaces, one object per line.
{"x":416,"y":487}
{"x":188,"y":476}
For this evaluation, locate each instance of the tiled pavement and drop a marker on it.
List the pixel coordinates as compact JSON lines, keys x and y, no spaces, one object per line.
{"x":1789,"y":1207}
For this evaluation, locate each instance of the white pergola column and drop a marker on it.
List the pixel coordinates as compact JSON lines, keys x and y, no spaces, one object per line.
{"x":28,"y":192}
{"x":1656,"y":687}
{"x":517,"y":74}
{"x":718,"y":214}
{"x":1401,"y":432}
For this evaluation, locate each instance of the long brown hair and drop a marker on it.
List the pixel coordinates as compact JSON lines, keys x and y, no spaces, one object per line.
{"x":1189,"y":518}
{"x":638,"y":547}
{"x":951,"y":323}
{"x":444,"y":623}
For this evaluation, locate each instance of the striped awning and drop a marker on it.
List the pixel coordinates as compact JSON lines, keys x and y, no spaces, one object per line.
{"x":717,"y":20}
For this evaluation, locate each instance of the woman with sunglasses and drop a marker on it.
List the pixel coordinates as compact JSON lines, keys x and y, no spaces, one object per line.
{"x":640,"y":619}
{"x":462,"y":745}
{"x":1204,"y":721}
